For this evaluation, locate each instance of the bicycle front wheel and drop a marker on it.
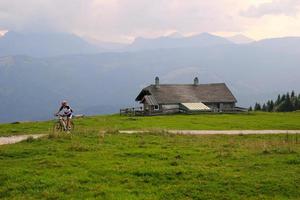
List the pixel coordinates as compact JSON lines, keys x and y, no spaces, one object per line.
{"x":57,"y":127}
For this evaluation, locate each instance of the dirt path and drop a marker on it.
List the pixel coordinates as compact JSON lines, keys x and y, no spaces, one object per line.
{"x":219,"y":132}
{"x":18,"y":138}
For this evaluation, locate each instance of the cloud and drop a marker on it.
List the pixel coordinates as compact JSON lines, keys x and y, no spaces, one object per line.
{"x":119,"y":18}
{"x":122,"y":20}
{"x":276,"y":7}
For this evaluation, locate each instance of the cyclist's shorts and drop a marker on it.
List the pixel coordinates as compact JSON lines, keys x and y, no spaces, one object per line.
{"x":69,"y":116}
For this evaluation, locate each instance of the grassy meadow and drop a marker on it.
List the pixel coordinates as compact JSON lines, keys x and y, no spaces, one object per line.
{"x":92,"y":163}
{"x":244,"y":121}
{"x":87,"y":165}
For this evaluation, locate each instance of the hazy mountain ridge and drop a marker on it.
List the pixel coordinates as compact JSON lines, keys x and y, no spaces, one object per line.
{"x":167,"y":42}
{"x":57,"y":44}
{"x":31,"y":88}
{"x":43,"y":44}
{"x":240,"y":39}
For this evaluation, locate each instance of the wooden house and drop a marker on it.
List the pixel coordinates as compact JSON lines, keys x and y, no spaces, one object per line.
{"x":188,"y":98}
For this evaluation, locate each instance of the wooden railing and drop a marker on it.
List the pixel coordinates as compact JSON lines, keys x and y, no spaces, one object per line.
{"x":131,"y":111}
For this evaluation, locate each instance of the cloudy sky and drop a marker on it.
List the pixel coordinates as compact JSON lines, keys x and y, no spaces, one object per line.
{"x":122,"y":20}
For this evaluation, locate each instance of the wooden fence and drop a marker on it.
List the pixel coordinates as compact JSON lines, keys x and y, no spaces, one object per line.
{"x":138,"y":111}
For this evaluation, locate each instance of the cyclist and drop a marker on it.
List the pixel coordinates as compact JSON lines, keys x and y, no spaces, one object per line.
{"x":67,"y":113}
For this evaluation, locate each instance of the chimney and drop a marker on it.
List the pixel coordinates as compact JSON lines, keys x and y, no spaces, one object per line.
{"x":196,"y":81}
{"x":157,"y":82}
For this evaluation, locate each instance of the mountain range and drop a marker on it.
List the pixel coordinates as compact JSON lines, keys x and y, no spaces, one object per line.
{"x":32,"y":82}
{"x":57,"y":44}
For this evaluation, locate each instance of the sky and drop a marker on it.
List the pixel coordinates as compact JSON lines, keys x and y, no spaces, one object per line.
{"x":123,"y":20}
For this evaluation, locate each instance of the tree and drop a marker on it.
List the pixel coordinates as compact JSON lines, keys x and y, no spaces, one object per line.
{"x":297,"y":104}
{"x":277,"y":102}
{"x":293,"y":94}
{"x":250,"y":108}
{"x":282,"y":98}
{"x":257,"y":107}
{"x":284,"y":103}
{"x":270,"y":106}
{"x":288,"y":104}
{"x":264,"y":107}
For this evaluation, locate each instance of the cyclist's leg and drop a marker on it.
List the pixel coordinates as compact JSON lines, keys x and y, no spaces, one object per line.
{"x":63,"y":123}
{"x":69,"y":118}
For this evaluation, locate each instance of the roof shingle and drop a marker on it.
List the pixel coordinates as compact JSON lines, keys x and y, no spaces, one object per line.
{"x":188,"y":93}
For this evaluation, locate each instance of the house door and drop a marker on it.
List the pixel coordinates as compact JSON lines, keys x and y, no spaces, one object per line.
{"x":220,"y":106}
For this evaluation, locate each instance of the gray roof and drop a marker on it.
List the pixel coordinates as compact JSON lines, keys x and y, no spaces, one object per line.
{"x":188,"y":93}
{"x":150,"y":100}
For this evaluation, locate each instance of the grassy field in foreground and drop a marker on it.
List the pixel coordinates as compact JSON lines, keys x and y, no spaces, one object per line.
{"x":254,"y":120}
{"x":86,"y":165}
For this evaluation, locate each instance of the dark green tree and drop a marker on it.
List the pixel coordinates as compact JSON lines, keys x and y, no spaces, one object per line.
{"x":270,"y":106}
{"x":250,"y":108}
{"x":264,"y":107}
{"x":277,"y":102}
{"x":293,"y":94}
{"x":257,"y":107}
{"x":284,"y":103}
{"x":288,"y":104}
{"x":282,"y":98}
{"x":297,"y":104}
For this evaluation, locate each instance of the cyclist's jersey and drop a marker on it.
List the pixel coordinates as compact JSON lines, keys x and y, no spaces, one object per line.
{"x":67,"y":110}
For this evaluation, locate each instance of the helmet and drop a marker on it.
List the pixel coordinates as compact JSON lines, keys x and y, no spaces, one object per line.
{"x":64,"y":102}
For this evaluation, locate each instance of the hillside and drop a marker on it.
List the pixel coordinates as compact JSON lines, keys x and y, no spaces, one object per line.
{"x":93,"y":163}
{"x":243,"y":121}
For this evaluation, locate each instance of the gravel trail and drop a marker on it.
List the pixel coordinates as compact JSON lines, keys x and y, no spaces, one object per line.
{"x":18,"y":138}
{"x":219,"y":132}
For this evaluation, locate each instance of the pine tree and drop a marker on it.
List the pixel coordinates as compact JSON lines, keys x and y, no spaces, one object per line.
{"x":271,"y":109}
{"x":284,"y":103}
{"x":293,"y":94}
{"x":282,"y":98}
{"x":250,"y":108}
{"x":268,"y":106}
{"x":297,"y":104}
{"x":277,"y":102}
{"x":264,"y":107}
{"x":257,"y":107}
{"x":288,"y":104}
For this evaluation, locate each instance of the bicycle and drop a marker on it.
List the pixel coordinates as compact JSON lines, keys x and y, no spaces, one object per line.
{"x":61,"y":123}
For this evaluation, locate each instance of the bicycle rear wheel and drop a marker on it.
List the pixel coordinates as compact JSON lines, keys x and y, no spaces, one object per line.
{"x":72,"y":126}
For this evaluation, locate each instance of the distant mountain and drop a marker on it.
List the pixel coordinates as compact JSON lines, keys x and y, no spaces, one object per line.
{"x":240,"y":39}
{"x":106,"y":46}
{"x":31,"y":88}
{"x":175,"y":35}
{"x":43,"y":44}
{"x":284,"y":44}
{"x":168,"y":42}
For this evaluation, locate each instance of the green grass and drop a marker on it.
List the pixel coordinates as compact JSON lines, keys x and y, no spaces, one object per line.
{"x":254,"y":120}
{"x":91,"y":164}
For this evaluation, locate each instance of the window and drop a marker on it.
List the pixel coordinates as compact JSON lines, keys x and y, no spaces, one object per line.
{"x":156,"y":107}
